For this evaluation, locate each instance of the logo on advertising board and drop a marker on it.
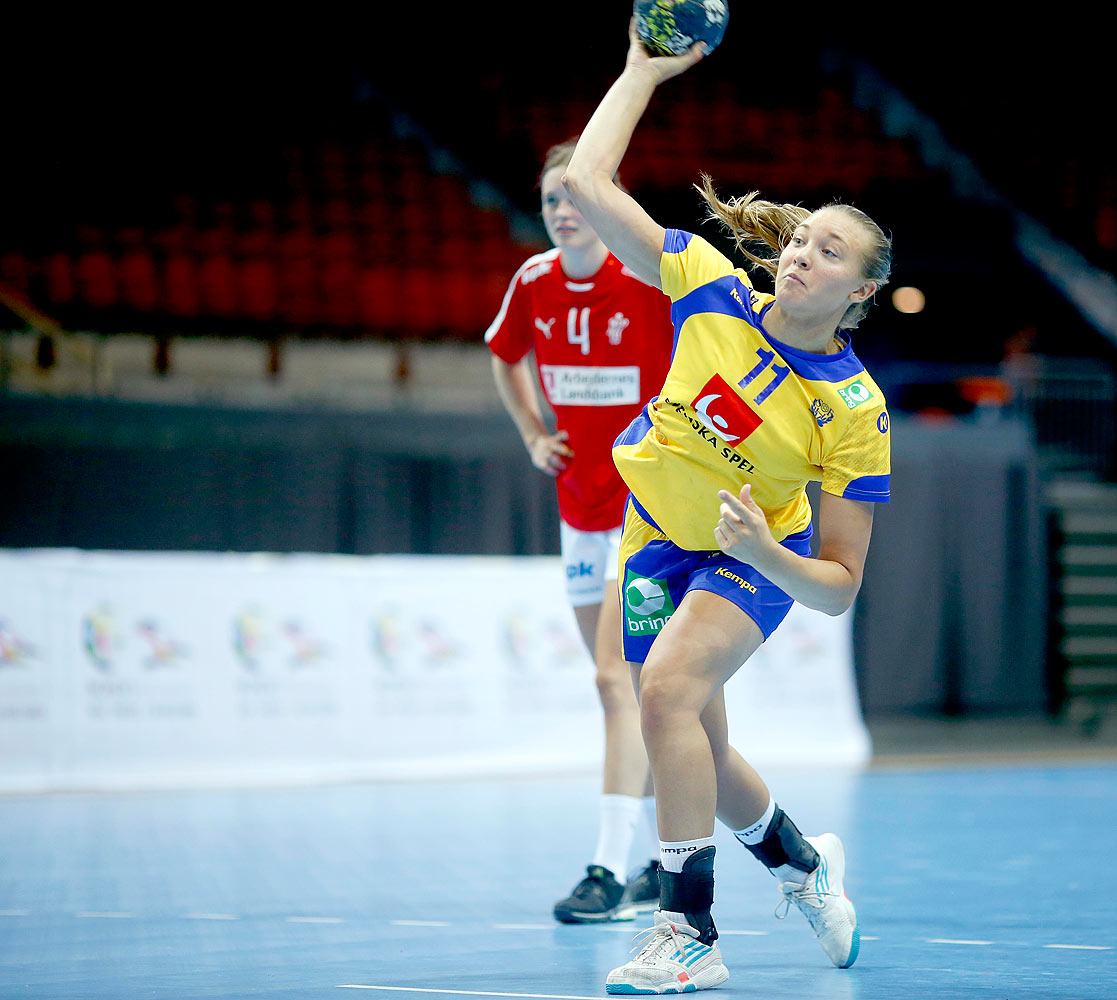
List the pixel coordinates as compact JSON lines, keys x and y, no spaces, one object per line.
{"x":855,"y":394}
{"x":14,"y":649}
{"x":252,"y":638}
{"x":529,"y":642}
{"x":248,"y":639}
{"x":386,"y":640}
{"x":397,"y":641}
{"x":163,"y":651}
{"x":647,"y":604}
{"x":724,"y":412}
{"x":305,"y":649}
{"x":99,"y":637}
{"x":439,"y":646}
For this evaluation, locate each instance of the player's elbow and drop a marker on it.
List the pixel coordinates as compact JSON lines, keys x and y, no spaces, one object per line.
{"x":839,"y":597}
{"x":581,"y":179}
{"x":575,"y":181}
{"x":837,"y":608}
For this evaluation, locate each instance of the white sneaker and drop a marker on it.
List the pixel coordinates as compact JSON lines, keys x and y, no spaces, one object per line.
{"x":670,"y":959}
{"x":822,"y":900}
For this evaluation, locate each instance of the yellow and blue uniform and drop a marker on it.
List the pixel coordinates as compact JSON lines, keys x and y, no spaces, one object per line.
{"x":737,"y":407}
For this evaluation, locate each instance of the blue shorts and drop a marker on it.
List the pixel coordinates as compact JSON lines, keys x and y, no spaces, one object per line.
{"x":655,"y":575}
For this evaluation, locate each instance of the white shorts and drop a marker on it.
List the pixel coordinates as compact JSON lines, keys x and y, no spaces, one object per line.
{"x":589,"y":559}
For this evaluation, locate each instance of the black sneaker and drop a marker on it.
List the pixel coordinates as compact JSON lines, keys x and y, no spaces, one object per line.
{"x":595,"y":898}
{"x":641,"y":894}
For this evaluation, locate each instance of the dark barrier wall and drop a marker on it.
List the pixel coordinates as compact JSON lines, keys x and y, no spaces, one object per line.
{"x":951,"y":617}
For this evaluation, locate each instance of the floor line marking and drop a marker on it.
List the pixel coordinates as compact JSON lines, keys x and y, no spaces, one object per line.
{"x":315,"y":920}
{"x":210,"y":916}
{"x":467,"y":993}
{"x":15,"y":913}
{"x":523,"y":927}
{"x":103,"y":914}
{"x":421,"y":923}
{"x":749,"y":933}
{"x":1082,"y":947}
{"x":953,"y":941}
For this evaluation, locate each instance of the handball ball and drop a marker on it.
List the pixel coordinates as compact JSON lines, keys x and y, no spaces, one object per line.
{"x":671,"y":27}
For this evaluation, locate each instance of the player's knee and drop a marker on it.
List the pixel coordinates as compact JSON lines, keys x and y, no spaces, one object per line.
{"x":614,"y":686}
{"x":663,"y":701}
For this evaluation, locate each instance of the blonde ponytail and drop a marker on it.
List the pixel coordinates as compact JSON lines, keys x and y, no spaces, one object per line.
{"x":755,"y":224}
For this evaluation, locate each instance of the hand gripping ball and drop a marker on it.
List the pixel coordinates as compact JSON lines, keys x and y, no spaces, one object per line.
{"x":671,"y":27}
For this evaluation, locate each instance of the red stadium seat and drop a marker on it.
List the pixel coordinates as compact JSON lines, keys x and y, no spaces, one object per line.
{"x":259,"y":289}
{"x":218,"y":280}
{"x":423,"y":310}
{"x":298,"y":290}
{"x":138,"y":281}
{"x":59,"y":272}
{"x":96,"y":279}
{"x":180,"y":285}
{"x":339,"y":292}
{"x":379,"y":298}
{"x":14,"y":269}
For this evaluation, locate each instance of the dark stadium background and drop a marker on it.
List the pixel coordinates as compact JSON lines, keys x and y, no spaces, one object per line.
{"x":371,"y":181}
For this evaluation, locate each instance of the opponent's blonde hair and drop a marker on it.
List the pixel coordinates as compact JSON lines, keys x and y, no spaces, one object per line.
{"x":753,"y":222}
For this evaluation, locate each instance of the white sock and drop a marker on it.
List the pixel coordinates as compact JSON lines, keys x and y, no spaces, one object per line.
{"x":673,"y":853}
{"x":653,"y":825}
{"x":754,"y":832}
{"x":619,"y":816}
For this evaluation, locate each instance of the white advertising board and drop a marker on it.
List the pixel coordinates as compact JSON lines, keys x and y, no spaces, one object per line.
{"x":164,"y":670}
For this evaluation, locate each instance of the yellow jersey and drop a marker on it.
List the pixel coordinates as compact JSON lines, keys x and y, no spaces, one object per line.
{"x":740,"y":407}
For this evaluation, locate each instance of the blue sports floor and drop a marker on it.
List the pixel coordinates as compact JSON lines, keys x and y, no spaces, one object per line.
{"x":970,"y":882}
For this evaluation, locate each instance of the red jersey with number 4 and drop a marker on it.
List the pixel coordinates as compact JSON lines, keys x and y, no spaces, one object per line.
{"x":602,"y":349}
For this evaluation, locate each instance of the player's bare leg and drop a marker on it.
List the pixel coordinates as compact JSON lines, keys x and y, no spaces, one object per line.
{"x":699,"y":648}
{"x":601,"y":895}
{"x":810,"y":870}
{"x":626,"y":760}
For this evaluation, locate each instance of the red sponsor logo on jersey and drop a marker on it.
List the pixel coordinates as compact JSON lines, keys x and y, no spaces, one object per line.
{"x":724,"y":412}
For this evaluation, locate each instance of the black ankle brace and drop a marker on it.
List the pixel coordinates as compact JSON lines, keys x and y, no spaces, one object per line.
{"x":783,"y":844}
{"x":691,"y":893}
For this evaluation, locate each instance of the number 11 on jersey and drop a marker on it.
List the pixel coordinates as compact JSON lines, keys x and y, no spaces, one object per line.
{"x":779,"y":373}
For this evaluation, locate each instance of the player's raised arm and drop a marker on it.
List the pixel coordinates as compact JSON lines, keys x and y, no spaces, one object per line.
{"x":621,"y":222}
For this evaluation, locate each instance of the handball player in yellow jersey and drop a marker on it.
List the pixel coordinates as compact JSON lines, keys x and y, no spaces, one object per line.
{"x":764,"y":394}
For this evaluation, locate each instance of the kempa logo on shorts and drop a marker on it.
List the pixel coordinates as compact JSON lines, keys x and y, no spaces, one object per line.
{"x":855,"y":394}
{"x":743,"y":584}
{"x":647,"y":605}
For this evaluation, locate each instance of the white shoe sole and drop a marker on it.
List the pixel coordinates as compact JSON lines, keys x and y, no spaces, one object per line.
{"x":707,"y":979}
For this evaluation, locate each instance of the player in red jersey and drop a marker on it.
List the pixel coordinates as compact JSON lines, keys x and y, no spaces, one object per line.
{"x":602,"y":340}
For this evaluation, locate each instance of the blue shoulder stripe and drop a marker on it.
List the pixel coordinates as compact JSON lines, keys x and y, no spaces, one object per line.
{"x":645,"y":516}
{"x":676,"y":240}
{"x":872,"y":488}
{"x":635,"y":431}
{"x":715,"y":297}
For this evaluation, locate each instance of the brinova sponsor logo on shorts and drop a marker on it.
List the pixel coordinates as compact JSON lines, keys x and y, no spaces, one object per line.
{"x":647,"y":604}
{"x":855,"y":394}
